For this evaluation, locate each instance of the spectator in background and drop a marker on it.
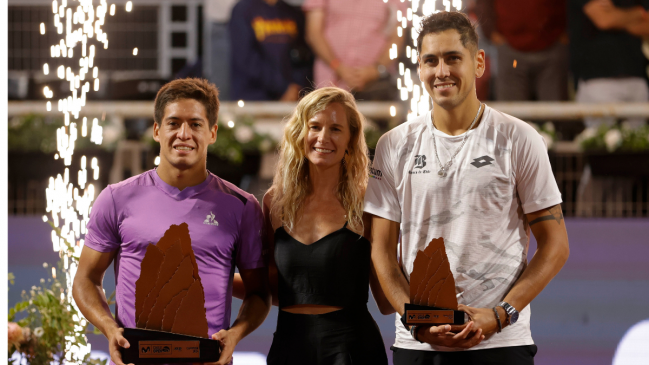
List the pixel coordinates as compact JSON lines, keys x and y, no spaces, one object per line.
{"x":351,"y":40}
{"x":532,"y":47}
{"x":269,"y":57}
{"x":483,"y":85}
{"x":606,"y":52}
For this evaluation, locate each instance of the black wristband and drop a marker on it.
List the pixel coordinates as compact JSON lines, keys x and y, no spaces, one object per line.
{"x":500,"y":325}
{"x":413,"y":332}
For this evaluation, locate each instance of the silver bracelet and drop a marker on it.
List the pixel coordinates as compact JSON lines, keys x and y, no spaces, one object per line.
{"x":500,"y":325}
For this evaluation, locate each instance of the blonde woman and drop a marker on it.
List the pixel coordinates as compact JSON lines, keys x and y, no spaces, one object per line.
{"x":320,"y":263}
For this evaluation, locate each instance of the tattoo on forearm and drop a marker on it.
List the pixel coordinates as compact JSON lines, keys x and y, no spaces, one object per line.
{"x":555,"y":213}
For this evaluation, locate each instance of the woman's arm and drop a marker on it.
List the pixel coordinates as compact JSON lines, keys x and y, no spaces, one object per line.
{"x":238,"y":289}
{"x":270,"y":223}
{"x":379,"y":296}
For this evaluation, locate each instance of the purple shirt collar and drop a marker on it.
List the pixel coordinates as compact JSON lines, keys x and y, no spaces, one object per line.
{"x":176,"y":193}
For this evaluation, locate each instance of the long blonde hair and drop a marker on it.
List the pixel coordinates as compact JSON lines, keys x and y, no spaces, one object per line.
{"x":291,"y":184}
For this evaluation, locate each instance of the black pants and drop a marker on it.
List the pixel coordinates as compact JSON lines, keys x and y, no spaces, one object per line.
{"x":516,"y":355}
{"x":344,"y":337}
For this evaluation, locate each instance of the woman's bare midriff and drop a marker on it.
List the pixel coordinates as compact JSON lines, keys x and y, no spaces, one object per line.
{"x":310,"y":309}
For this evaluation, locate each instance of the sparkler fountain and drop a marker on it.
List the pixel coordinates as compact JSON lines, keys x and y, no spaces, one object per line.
{"x":79,"y":22}
{"x":417,"y":94}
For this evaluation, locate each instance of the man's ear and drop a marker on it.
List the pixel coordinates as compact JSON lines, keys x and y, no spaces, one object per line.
{"x":156,"y":131}
{"x":213,"y":130}
{"x":480,"y":63}
{"x":419,"y":69}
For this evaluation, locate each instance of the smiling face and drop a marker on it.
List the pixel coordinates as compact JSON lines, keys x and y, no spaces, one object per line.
{"x":448,"y":69}
{"x":328,"y":136}
{"x":184,"y":135}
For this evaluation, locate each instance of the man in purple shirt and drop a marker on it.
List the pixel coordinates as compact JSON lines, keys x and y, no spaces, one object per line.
{"x":224,"y":222}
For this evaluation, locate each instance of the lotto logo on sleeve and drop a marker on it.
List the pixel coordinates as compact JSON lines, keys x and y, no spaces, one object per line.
{"x":376,"y":174}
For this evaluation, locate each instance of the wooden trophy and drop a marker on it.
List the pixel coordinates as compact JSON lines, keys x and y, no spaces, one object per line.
{"x":170,"y":306}
{"x":432,"y":289}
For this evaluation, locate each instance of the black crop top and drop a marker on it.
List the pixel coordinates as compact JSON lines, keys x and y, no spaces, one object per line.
{"x":331,"y":271}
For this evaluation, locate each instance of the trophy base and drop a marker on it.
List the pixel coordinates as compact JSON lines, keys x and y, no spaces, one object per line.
{"x":157,"y":347}
{"x":422,"y":315}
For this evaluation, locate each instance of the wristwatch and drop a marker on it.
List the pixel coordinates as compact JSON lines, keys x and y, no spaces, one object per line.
{"x":512,"y":313}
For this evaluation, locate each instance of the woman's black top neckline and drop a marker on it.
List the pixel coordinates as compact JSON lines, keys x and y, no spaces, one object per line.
{"x":333,"y":270}
{"x":316,"y":241}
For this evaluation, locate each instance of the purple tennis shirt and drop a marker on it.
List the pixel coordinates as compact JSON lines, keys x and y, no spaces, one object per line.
{"x":225,"y":225}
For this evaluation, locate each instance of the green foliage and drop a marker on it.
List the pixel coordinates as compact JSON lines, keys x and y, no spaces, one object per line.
{"x":372,"y":136}
{"x":592,"y":139}
{"x":635,"y":139}
{"x":33,"y":132}
{"x":614,"y":138}
{"x":52,"y":322}
{"x":233,"y":142}
{"x":36,"y":133}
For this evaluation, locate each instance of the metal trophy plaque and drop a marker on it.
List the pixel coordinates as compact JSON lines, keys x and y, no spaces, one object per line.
{"x":432,"y":289}
{"x":170,"y":306}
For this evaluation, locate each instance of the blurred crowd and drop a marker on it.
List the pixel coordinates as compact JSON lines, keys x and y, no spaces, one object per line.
{"x":278,"y":50}
{"x":592,"y":51}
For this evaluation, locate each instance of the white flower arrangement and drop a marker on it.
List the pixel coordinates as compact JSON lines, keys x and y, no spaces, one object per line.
{"x":614,"y":138}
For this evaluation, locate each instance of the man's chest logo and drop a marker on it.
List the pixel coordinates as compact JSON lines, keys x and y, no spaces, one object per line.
{"x":482,"y":161}
{"x":210,"y":220}
{"x":420,"y":163}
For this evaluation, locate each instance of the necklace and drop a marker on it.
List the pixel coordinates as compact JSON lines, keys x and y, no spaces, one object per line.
{"x":443,"y":168}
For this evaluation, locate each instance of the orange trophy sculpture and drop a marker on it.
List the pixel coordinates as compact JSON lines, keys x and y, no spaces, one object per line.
{"x":432,"y":289}
{"x":170,"y":306}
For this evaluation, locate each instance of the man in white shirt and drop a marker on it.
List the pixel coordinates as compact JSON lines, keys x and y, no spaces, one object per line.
{"x":479,"y":178}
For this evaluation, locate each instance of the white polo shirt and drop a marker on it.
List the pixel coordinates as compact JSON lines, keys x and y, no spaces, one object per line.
{"x":501,"y":174}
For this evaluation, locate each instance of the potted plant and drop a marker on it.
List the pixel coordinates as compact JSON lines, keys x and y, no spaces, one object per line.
{"x":32,"y":145}
{"x":50,"y":329}
{"x":616,"y":150}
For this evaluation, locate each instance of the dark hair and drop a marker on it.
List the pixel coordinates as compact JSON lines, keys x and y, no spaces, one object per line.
{"x":190,"y":88}
{"x":445,"y":20}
